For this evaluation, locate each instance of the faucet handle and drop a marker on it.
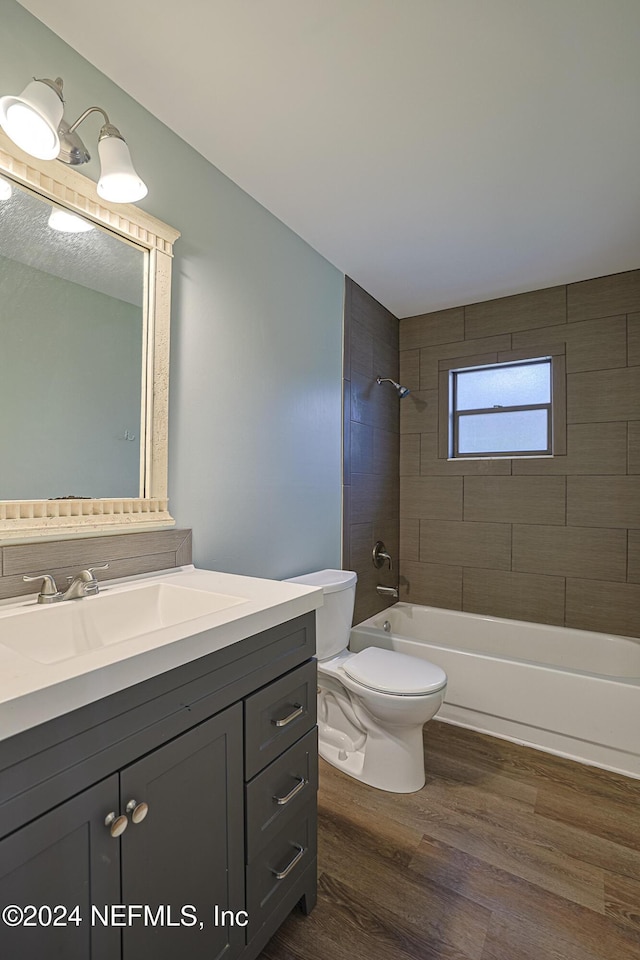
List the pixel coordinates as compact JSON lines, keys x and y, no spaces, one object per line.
{"x":87,"y":575}
{"x":380,"y":554}
{"x":48,"y":590}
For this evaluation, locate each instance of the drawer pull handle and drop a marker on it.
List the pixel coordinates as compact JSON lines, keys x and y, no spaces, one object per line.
{"x":300,"y":785}
{"x":299,"y":710}
{"x":287,"y":870}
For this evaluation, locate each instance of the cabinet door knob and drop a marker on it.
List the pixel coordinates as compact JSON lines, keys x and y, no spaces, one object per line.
{"x":117,"y":825}
{"x":137,"y":811}
{"x":297,"y":712}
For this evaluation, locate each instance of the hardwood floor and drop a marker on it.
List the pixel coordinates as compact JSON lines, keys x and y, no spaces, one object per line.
{"x":505,"y":854}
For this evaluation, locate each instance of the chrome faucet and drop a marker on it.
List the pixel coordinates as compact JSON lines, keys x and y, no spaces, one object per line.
{"x":84,"y":584}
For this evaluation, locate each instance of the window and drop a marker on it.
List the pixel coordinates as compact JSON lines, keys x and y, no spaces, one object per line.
{"x":502,"y":410}
{"x":508,"y":409}
{"x":503,"y":405}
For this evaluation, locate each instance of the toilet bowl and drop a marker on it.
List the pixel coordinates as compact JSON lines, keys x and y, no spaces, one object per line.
{"x":372,"y":705}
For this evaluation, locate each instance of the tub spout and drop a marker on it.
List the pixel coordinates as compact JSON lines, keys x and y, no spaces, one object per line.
{"x":387,"y":591}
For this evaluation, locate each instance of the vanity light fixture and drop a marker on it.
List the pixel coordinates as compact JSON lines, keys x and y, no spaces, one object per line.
{"x":5,"y":189}
{"x":34,"y":121}
{"x":67,"y":222}
{"x":33,"y":118}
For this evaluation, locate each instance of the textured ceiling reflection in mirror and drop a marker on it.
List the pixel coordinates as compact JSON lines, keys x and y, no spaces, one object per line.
{"x":97,"y":259}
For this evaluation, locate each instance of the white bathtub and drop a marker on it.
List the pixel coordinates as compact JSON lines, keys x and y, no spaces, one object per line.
{"x":570,"y":692}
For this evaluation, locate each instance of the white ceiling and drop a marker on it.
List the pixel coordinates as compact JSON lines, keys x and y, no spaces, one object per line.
{"x":437,"y":151}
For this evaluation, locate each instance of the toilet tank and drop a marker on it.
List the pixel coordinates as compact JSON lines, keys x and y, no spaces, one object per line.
{"x":334,"y":617}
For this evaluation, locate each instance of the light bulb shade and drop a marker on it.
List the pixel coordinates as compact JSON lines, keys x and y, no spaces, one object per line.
{"x":67,"y":222}
{"x":32,"y":119}
{"x":118,"y":181}
{"x":5,"y":189}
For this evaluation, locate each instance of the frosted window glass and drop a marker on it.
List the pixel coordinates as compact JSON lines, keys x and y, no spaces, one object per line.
{"x":504,"y":386}
{"x":518,"y":431}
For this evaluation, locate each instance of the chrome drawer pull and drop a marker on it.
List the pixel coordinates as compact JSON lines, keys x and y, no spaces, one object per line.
{"x":287,"y":870}
{"x":299,"y":710}
{"x":300,"y":785}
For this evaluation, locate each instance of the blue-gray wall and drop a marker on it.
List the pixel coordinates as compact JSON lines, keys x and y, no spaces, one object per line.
{"x":256,"y":338}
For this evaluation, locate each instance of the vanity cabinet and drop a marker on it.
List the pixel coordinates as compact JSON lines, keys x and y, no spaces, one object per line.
{"x":188,"y":848}
{"x":281,"y":768}
{"x":66,"y":857}
{"x":214,"y":765}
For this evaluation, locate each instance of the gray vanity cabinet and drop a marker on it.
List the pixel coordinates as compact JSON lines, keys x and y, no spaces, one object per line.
{"x":214,"y":765}
{"x":187,"y":851}
{"x":65,"y":858}
{"x":281,"y":768}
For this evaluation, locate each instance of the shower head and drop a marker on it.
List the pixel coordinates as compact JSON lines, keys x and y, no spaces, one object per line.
{"x":402,"y":391}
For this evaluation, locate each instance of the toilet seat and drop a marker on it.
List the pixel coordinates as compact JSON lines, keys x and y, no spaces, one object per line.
{"x":398,"y":674}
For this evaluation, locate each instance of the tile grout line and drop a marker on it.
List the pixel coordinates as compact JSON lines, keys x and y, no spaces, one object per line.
{"x":627,"y":578}
{"x":511,"y":548}
{"x":627,"y":450}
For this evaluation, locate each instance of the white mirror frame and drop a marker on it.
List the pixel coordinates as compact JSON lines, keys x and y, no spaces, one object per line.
{"x":61,"y":519}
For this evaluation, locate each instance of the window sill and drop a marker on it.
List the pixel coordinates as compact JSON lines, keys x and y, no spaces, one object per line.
{"x":510,"y":456}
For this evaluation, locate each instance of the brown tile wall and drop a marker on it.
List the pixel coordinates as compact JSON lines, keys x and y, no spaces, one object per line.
{"x":550,"y":540}
{"x":127,"y":554}
{"x":371,"y":446}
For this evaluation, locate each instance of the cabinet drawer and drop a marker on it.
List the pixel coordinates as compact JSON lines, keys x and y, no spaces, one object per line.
{"x":276,"y":795}
{"x":277,"y":716}
{"x":278,"y":867}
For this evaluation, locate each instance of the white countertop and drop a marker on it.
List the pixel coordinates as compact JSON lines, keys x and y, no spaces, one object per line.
{"x":32,"y":693}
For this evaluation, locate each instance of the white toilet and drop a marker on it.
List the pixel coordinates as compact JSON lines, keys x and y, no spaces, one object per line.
{"x":372,"y":705}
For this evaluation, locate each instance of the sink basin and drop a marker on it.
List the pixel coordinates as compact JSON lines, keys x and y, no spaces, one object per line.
{"x":55,"y":632}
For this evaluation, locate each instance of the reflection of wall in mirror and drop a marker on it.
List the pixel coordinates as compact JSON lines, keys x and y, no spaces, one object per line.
{"x":70,"y":387}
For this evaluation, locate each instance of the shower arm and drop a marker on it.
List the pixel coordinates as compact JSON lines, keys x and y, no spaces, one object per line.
{"x":401,"y":391}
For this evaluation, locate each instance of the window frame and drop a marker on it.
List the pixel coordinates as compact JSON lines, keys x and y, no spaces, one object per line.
{"x":455,"y":414}
{"x":448,"y":415}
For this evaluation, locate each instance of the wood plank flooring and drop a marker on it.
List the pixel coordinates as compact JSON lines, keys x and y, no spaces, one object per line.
{"x":505,"y":854}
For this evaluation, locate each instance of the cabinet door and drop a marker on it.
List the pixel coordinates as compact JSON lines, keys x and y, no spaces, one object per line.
{"x":189,"y":848}
{"x":68,"y":858}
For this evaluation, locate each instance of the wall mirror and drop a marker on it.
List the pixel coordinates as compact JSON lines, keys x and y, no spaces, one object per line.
{"x":84,"y":356}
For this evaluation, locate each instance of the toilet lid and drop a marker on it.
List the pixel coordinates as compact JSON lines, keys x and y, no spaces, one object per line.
{"x":331,"y":581}
{"x":392,"y":672}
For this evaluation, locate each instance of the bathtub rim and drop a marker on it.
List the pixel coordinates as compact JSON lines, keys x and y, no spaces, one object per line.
{"x":368,"y":624}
